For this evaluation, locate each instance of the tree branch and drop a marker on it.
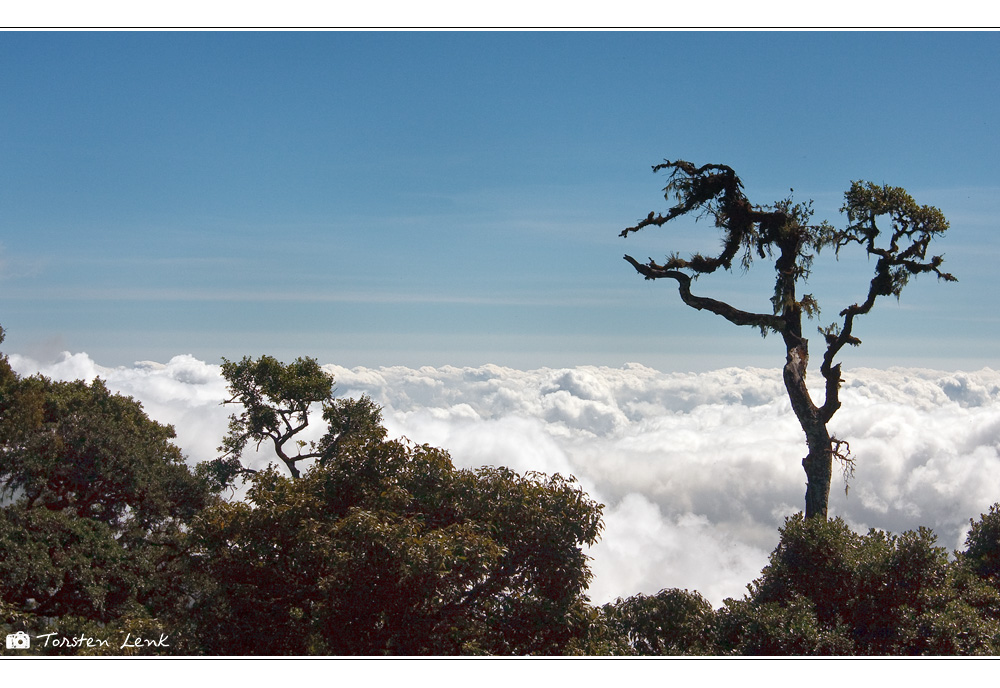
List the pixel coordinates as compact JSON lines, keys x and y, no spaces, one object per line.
{"x":653,"y":271}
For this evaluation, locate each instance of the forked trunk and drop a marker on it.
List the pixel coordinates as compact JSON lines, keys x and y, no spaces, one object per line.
{"x":818,"y":464}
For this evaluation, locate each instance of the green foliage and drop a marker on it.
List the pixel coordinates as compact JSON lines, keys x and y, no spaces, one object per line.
{"x":982,"y":546}
{"x":387,"y":548}
{"x":745,"y":627}
{"x":352,"y":426}
{"x":57,"y":564}
{"x":901,"y":248}
{"x":96,"y":499}
{"x":671,"y":622}
{"x":276,"y":399}
{"x":76,"y":446}
{"x":829,"y":590}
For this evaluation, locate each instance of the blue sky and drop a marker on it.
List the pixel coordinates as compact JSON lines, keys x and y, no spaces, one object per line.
{"x":455,"y":198}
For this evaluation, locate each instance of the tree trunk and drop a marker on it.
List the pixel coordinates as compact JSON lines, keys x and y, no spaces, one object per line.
{"x":818,"y":464}
{"x":819,"y":468}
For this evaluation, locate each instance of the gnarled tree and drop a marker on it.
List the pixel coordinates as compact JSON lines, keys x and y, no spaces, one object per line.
{"x":883,"y":220}
{"x":277,"y":398}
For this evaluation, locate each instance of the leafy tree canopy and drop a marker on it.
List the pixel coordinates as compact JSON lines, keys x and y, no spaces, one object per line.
{"x":671,"y":622}
{"x":828,"y":590}
{"x":277,"y":401}
{"x":385,"y":547}
{"x":95,"y":503}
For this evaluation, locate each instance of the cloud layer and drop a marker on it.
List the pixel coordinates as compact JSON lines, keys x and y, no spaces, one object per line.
{"x":697,"y":471}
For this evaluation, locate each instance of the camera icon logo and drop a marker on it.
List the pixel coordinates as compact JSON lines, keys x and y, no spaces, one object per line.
{"x":18,"y":641}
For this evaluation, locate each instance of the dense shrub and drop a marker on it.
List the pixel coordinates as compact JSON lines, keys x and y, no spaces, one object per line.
{"x":828,"y":590}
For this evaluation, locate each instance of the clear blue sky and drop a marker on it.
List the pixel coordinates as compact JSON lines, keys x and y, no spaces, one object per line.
{"x":455,"y":198}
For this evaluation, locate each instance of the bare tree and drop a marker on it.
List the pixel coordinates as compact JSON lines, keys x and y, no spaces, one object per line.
{"x":783,"y":232}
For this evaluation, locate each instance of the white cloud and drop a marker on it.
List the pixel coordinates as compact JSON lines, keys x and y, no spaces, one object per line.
{"x":697,"y":471}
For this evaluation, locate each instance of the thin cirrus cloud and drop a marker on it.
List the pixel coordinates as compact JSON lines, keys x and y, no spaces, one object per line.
{"x":697,"y":471}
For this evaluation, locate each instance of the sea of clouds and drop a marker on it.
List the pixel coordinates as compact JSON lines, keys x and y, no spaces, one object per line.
{"x":696,"y":470}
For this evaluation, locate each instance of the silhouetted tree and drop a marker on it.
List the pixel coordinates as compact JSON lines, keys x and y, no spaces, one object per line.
{"x":884,"y":221}
{"x":277,"y":399}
